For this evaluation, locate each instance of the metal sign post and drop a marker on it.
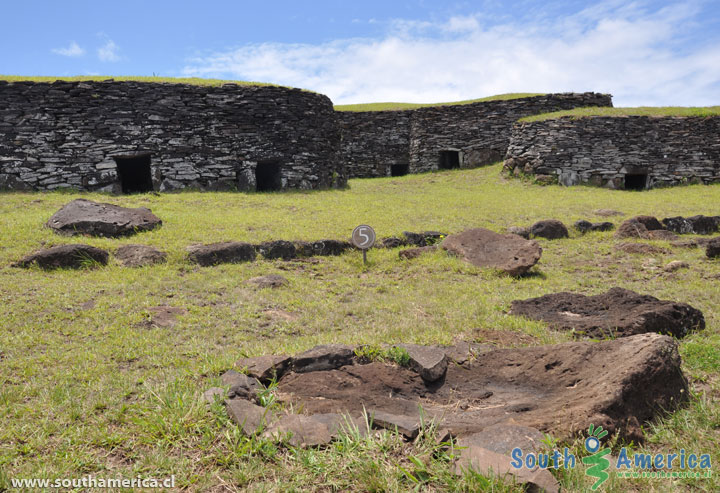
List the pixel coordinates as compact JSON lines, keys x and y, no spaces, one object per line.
{"x":363,"y":237}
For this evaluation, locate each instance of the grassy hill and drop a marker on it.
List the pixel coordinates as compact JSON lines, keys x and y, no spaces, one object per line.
{"x":91,"y":386}
{"x":652,"y":111}
{"x":412,"y":106}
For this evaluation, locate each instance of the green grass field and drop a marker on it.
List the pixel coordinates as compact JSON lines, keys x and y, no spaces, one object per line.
{"x":88,"y":386}
{"x":412,"y":106}
{"x":652,"y":111}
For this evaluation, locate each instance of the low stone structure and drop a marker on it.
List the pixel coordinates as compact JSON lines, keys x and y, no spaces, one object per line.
{"x":85,"y":217}
{"x":618,"y":152}
{"x":140,"y":136}
{"x":394,"y":143}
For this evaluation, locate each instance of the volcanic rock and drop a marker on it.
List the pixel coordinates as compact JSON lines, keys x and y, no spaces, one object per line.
{"x":322,"y":248}
{"x":74,"y":256}
{"x":616,"y":313}
{"x":485,"y":248}
{"x":323,"y":357}
{"x":426,"y":238}
{"x":408,"y":426}
{"x":430,"y":362}
{"x":232,"y":252}
{"x":277,"y":249}
{"x":522,"y":231}
{"x":662,"y":234}
{"x":301,"y":431}
{"x":139,"y":255}
{"x":550,"y":229}
{"x":392,"y":242}
{"x":503,"y":438}
{"x":699,"y":225}
{"x":712,"y":250}
{"x":265,"y":368}
{"x":584,"y":226}
{"x":411,"y":253}
{"x":99,"y":219}
{"x":250,"y":417}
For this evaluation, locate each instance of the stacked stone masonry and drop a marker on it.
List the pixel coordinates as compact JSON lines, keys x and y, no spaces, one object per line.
{"x":629,"y":152}
{"x":109,"y":136}
{"x":386,"y":143}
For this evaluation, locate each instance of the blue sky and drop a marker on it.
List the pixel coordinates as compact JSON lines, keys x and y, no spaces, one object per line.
{"x":643,"y":52}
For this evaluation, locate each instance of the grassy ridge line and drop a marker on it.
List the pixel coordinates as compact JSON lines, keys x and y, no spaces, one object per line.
{"x":653,"y":111}
{"x":412,"y":106}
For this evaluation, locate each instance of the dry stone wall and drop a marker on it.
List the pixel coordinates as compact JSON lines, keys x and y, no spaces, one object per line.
{"x":630,"y":152}
{"x":99,"y":135}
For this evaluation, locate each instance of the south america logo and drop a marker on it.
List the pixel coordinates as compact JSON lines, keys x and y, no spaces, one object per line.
{"x":597,"y":460}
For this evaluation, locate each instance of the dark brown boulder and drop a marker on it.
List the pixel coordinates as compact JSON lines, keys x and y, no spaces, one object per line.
{"x":616,"y":313}
{"x":550,"y":229}
{"x":650,"y":222}
{"x":321,"y":248}
{"x":74,"y":256}
{"x":278,"y":249}
{"x":230,"y":252}
{"x":99,"y":219}
{"x":484,"y":248}
{"x":712,"y":250}
{"x":639,"y":227}
{"x":585,"y":226}
{"x":140,"y":255}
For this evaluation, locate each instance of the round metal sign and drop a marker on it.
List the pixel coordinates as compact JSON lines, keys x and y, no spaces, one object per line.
{"x":363,"y":237}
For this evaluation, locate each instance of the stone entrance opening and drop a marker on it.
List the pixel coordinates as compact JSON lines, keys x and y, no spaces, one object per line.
{"x":267,"y":176}
{"x":134,"y":173}
{"x":636,"y":181}
{"x":449,"y":159}
{"x":399,"y":169}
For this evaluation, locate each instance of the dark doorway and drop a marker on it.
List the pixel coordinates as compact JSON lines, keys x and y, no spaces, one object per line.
{"x":134,"y":173}
{"x":267,"y":176}
{"x":449,"y":159}
{"x":635,"y":182}
{"x":399,"y":169}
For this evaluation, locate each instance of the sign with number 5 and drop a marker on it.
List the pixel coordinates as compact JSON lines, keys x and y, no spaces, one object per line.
{"x":363,"y":237}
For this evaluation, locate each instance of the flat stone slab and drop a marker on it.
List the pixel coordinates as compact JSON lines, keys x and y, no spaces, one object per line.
{"x":265,"y":368}
{"x":270,"y":281}
{"x":491,"y":463}
{"x":250,"y":417}
{"x":558,"y":389}
{"x":229,"y":252}
{"x":75,"y":256}
{"x":503,"y":438}
{"x":616,"y":313}
{"x":99,"y":219}
{"x":139,"y":255}
{"x":428,"y":361}
{"x":407,"y":425}
{"x":484,"y":248}
{"x":300,"y":431}
{"x":324,"y":357}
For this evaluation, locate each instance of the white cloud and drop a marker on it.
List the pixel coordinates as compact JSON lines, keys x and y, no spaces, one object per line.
{"x":639,"y":55}
{"x":73,"y":50}
{"x":108,"y":52}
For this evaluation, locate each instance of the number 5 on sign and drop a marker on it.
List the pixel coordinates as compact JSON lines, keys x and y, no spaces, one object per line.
{"x":363,"y":237}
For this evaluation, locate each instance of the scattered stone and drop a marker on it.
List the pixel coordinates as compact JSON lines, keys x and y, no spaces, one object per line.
{"x":485,"y":248}
{"x":99,"y":219}
{"x":321,"y":248}
{"x":676,"y":265}
{"x":213,"y":395}
{"x":300,"y":431}
{"x":550,"y":229}
{"x":641,"y":248}
{"x":712,"y":250}
{"x":502,"y":438}
{"x":408,"y":426}
{"x":616,"y":313}
{"x":607,"y":212}
{"x":392,"y":242}
{"x":584,"y":226}
{"x":650,"y":222}
{"x":76,"y":256}
{"x":490,"y":463}
{"x":342,"y":423}
{"x":429,"y":362}
{"x":699,"y":225}
{"x":241,"y":385}
{"x":270,"y":281}
{"x":426,"y":238}
{"x":140,"y":255}
{"x":164,"y":316}
{"x":323,"y":357}
{"x":265,"y":368}
{"x":632,"y":228}
{"x":221,"y":253}
{"x":522,"y":231}
{"x":279,"y":249}
{"x":250,"y":417}
{"x":412,"y":253}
